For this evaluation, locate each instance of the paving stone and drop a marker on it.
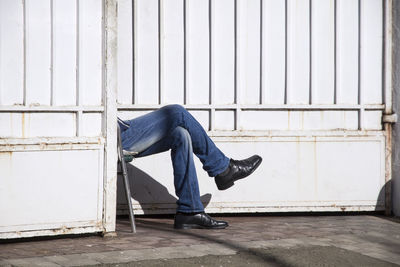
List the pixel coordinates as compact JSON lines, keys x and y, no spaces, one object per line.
{"x":156,"y":239}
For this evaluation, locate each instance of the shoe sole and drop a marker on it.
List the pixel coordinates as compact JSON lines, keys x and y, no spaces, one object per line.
{"x":230,"y":184}
{"x":196,"y":226}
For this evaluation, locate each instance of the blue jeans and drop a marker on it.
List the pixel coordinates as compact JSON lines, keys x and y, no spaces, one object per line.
{"x":173,"y":127}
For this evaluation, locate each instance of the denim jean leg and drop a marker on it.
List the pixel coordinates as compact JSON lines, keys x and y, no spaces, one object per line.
{"x":185,"y":177}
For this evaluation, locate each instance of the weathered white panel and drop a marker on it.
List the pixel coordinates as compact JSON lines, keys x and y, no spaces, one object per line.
{"x":329,"y":120}
{"x":203,"y":117}
{"x":371,"y":51}
{"x":323,"y":51}
{"x":38,"y":51}
{"x":11,"y":52}
{"x":41,"y":191}
{"x":47,"y":124}
{"x":224,"y":120}
{"x":264,"y":120}
{"x":298,"y":70}
{"x":299,"y":120}
{"x":197,"y":61}
{"x":296,"y":174}
{"x":273,"y":51}
{"x":125,"y":52}
{"x":347,"y":52}
{"x":172,"y":61}
{"x":357,"y":161}
{"x":91,"y":124}
{"x":223,"y":51}
{"x":11,"y":125}
{"x":90,"y":52}
{"x":248,"y":21}
{"x":64,"y":52}
{"x":146,"y":46}
{"x":372,"y":120}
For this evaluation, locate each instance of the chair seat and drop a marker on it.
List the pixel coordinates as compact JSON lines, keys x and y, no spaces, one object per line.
{"x":129,"y":156}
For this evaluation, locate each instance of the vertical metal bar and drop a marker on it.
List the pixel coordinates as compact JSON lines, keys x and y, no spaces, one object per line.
{"x":359,"y":97}
{"x":77,"y":92}
{"x":262,"y":93}
{"x":335,"y":52}
{"x":388,"y":89}
{"x":235,"y":76}
{"x":210,"y":56}
{"x":160,"y":91}
{"x":24,"y":40}
{"x":51,"y":53}
{"x":236,"y":66}
{"x":185,"y":89}
{"x":210,"y":64}
{"x":286,"y":53}
{"x":133,"y":52}
{"x":311,"y":55}
{"x":110,"y":114}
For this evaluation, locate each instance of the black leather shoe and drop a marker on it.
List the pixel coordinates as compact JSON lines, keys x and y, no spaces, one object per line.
{"x":197,"y":221}
{"x":238,"y":169}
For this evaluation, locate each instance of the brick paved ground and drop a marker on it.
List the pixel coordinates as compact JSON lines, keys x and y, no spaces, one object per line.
{"x":374,"y":236}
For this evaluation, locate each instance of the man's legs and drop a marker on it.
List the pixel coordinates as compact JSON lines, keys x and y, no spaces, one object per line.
{"x":185,"y":177}
{"x":172,"y":127}
{"x":147,"y":130}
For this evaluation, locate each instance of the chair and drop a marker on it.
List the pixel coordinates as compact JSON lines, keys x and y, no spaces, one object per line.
{"x":123,"y":158}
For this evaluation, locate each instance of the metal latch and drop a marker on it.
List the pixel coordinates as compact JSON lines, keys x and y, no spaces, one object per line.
{"x":391,"y":118}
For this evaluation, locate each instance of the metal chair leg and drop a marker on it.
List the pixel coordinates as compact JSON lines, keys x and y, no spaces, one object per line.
{"x":126,"y":182}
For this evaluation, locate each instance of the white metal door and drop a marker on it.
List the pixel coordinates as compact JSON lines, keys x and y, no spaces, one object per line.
{"x":299,"y":82}
{"x":52,"y":117}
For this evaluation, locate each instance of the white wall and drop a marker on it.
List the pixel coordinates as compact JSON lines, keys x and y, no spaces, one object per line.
{"x":273,"y":71}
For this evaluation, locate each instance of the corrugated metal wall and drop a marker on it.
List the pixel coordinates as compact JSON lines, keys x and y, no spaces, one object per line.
{"x":281,"y":74}
{"x":232,"y":57}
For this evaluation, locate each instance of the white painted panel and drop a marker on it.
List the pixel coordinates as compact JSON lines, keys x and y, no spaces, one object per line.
{"x":48,"y":124}
{"x":51,"y":188}
{"x":248,"y":23}
{"x":11,"y":125}
{"x":172,"y":61}
{"x":11,"y":52}
{"x":197,"y":65}
{"x":38,"y":51}
{"x":125,"y":52}
{"x":351,"y":120}
{"x":273,"y":51}
{"x":91,"y":124}
{"x":146,"y":45}
{"x":203,"y":117}
{"x":371,"y":51}
{"x":372,"y":120}
{"x":64,"y":52}
{"x":264,"y":120}
{"x":347,"y":52}
{"x":360,"y":162}
{"x":225,"y":120}
{"x":90,"y":52}
{"x":323,"y":51}
{"x":296,"y":174}
{"x":223,"y":51}
{"x":298,"y":69}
